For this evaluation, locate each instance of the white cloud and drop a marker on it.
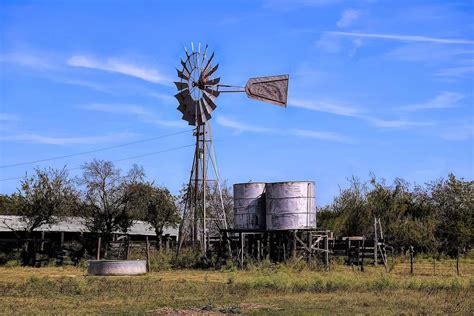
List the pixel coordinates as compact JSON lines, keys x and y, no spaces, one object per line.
{"x":121,"y":67}
{"x":459,"y":132}
{"x":294,"y":4}
{"x":163,"y":97}
{"x":240,"y":127}
{"x":49,"y":140}
{"x":141,"y":112}
{"x":443,"y":100}
{"x":384,"y":123}
{"x":27,"y":60}
{"x":344,"y":110}
{"x":322,"y":106}
{"x":461,"y":71}
{"x":329,"y":136}
{"x":428,"y":52}
{"x":117,"y":108}
{"x":405,"y":38}
{"x":348,"y":17}
{"x":8,"y":117}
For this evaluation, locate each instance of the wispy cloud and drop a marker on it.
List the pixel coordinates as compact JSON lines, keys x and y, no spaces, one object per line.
{"x":166,"y":98}
{"x":8,"y":117}
{"x":294,"y":4}
{"x":322,"y":106}
{"x":121,"y":67}
{"x":443,"y":100}
{"x":348,"y":17}
{"x":117,"y":108}
{"x":405,"y":38}
{"x":460,"y":71}
{"x":329,"y":136}
{"x":460,"y":132}
{"x":82,"y":83}
{"x":345,"y":110}
{"x":142,"y":113}
{"x":51,"y":140}
{"x":400,"y":123}
{"x":240,"y":127}
{"x":427,"y":52}
{"x":28,"y":60}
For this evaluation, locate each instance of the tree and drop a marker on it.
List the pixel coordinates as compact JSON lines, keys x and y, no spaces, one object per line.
{"x":454,"y":201}
{"x":43,"y":199}
{"x":158,"y":206}
{"x":7,"y":205}
{"x":109,"y":203}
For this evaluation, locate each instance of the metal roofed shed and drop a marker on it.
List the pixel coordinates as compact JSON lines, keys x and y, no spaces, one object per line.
{"x":9,"y":223}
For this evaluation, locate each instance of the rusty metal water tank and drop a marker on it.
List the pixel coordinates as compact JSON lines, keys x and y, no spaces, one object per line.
{"x":290,"y":205}
{"x":249,"y":205}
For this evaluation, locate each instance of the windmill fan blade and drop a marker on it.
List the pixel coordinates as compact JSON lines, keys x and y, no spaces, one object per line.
{"x":213,"y":82}
{"x":183,"y":63}
{"x":181,"y":85}
{"x":209,"y":102}
{"x":271,"y":89}
{"x":183,"y":74}
{"x":190,"y":119}
{"x":207,"y":107}
{"x":209,"y":62}
{"x":205,"y":110}
{"x":182,"y":96}
{"x":213,"y":70}
{"x":201,"y":115}
{"x":211,"y":94}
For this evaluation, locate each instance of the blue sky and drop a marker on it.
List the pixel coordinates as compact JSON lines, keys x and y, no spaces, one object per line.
{"x":383,"y":87}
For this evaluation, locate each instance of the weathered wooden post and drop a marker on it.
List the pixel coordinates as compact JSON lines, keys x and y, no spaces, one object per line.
{"x":457,"y":263}
{"x":42,"y":240}
{"x":98,"y":248}
{"x":376,"y":242}
{"x":363,"y":254}
{"x":326,"y":245}
{"x":411,"y":259}
{"x":242,"y":245}
{"x":147,"y":254}
{"x":129,"y":246}
{"x":294,"y":244}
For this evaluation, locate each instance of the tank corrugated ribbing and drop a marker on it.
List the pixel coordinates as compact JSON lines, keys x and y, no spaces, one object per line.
{"x":249,"y":205}
{"x":290,"y":205}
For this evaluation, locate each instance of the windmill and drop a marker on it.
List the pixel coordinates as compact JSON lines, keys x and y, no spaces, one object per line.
{"x":198,"y":89}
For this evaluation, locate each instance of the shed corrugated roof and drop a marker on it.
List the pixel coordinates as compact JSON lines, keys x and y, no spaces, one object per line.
{"x":77,"y":225}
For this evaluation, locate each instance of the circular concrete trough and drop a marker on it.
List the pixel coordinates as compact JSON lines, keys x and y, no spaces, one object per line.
{"x":116,"y":267}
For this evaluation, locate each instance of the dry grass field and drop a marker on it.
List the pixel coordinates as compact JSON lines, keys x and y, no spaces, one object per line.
{"x":266,"y":290}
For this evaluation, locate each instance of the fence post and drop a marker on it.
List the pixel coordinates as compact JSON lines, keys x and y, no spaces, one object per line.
{"x":434,"y":265}
{"x":411,"y":259}
{"x":98,"y":248}
{"x":457,"y":263}
{"x":147,"y":255}
{"x":129,"y":246}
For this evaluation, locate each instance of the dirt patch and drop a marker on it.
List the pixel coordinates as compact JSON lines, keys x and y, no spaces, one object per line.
{"x":256,"y":306}
{"x":183,"y":312}
{"x":210,"y":310}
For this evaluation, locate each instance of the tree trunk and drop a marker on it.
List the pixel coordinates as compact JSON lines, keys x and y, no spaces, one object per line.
{"x":159,"y":233}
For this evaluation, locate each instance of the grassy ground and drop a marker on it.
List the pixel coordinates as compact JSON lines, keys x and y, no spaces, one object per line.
{"x":266,"y":290}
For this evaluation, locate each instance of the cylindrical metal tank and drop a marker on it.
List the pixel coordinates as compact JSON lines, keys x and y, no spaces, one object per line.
{"x":290,"y":205}
{"x":116,"y":267}
{"x":249,"y":205}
